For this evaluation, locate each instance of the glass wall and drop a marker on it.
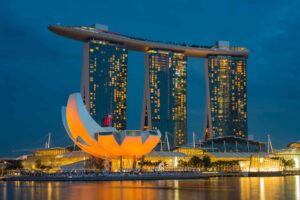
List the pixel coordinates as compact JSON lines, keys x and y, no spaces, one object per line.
{"x":166,"y":83}
{"x":227,"y":96}
{"x":107,"y":65}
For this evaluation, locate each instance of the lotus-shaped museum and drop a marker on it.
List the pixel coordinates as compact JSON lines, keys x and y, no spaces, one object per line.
{"x":104,"y":142}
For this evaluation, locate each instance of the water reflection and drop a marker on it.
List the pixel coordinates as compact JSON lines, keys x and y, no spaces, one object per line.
{"x":176,"y":190}
{"x":214,"y":188}
{"x":262,"y":188}
{"x":3,"y":191}
{"x":297,"y":187}
{"x":265,"y":188}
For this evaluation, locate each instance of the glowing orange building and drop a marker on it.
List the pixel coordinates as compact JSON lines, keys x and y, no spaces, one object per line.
{"x":104,"y":142}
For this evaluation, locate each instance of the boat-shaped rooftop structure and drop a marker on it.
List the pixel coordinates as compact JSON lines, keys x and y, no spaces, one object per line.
{"x":100,"y":32}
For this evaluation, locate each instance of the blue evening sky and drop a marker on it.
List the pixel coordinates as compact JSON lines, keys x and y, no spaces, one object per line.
{"x":38,"y":69}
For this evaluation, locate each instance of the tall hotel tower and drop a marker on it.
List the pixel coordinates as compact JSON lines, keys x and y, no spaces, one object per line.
{"x":226,"y":96}
{"x":104,"y":82}
{"x":164,"y":105}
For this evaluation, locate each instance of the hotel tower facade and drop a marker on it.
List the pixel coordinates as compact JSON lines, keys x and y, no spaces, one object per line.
{"x":164,"y":105}
{"x":104,"y":82}
{"x":226,"y":103}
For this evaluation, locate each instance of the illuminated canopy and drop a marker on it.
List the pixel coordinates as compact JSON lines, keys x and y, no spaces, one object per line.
{"x":105,"y":142}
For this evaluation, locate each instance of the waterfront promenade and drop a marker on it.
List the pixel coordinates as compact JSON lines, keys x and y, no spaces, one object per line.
{"x":139,"y":176}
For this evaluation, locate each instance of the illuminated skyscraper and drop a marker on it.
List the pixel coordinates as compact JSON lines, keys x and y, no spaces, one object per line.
{"x":104,"y":82}
{"x":226,"y":97}
{"x":164,"y":106}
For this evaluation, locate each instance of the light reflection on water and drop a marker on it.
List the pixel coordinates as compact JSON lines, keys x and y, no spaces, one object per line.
{"x":297,"y":186}
{"x":262,"y":188}
{"x":214,"y":188}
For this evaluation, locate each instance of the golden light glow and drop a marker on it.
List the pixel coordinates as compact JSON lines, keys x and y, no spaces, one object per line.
{"x":78,"y":130}
{"x":261,"y":164}
{"x":297,"y":187}
{"x":108,"y":144}
{"x":262,"y":188}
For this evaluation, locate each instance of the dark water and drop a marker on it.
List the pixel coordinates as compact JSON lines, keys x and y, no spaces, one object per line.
{"x":214,"y":188}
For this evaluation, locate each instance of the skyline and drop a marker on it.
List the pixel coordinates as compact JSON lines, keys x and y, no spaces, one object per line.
{"x":36,"y":118}
{"x":104,"y":83}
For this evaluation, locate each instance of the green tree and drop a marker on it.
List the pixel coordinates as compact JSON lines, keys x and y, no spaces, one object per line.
{"x":206,"y":162}
{"x":182,"y":163}
{"x":14,"y":165}
{"x":195,"y":161}
{"x":38,"y":163}
{"x":288,"y":163}
{"x":94,"y":163}
{"x":226,"y":166}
